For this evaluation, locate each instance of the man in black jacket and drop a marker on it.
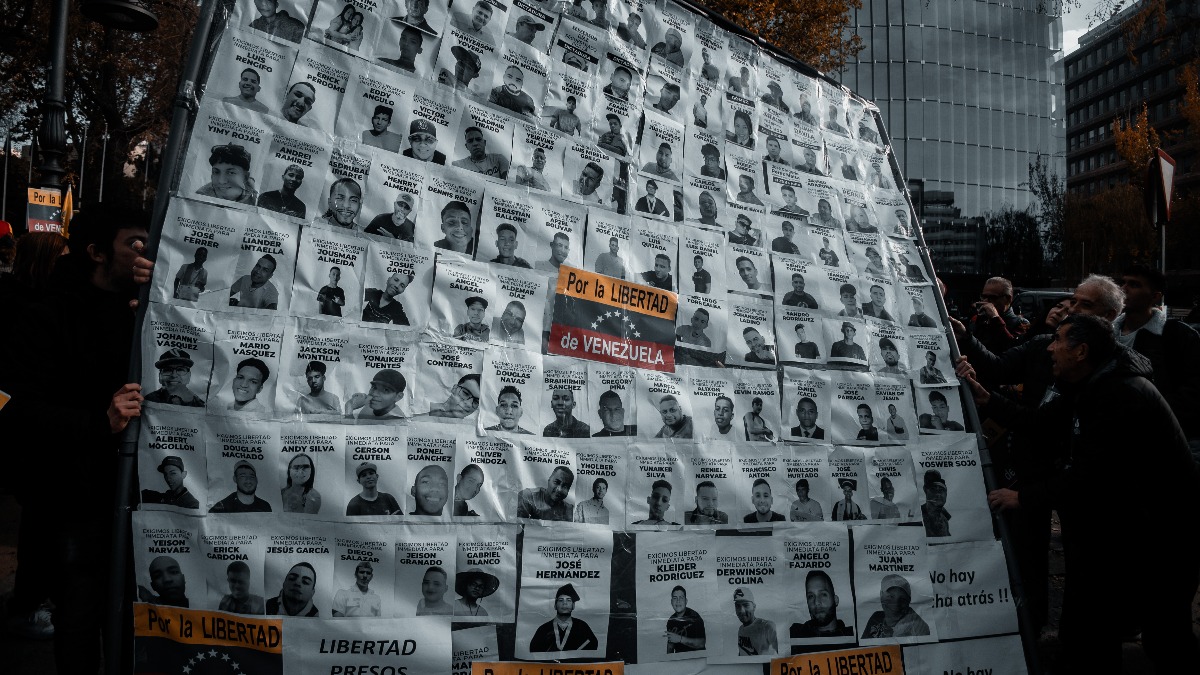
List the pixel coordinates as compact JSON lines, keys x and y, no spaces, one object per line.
{"x":1099,"y":384}
{"x":85,"y":320}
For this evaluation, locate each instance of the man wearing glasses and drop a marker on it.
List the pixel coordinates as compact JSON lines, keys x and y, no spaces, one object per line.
{"x":994,"y":322}
{"x":462,"y":401}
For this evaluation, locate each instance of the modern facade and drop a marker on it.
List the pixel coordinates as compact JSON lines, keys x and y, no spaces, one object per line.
{"x":970,"y":92}
{"x":1104,"y":83}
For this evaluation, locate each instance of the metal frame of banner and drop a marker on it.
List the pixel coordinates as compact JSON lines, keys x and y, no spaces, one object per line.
{"x":117,"y":617}
{"x":185,"y":105}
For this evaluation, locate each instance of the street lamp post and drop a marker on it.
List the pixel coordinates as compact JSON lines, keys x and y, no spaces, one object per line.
{"x":53,"y":131}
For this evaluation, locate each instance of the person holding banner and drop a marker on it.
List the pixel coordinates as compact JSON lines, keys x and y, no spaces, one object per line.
{"x":383,"y":306}
{"x":564,"y":633}
{"x":845,"y":508}
{"x":550,"y":502}
{"x":433,"y":593}
{"x":611,"y":412}
{"x":805,"y":509}
{"x":705,"y":513}
{"x":755,"y":637}
{"x":685,"y":627}
{"x":243,"y":499}
{"x":593,"y":510}
{"x":822,"y":608}
{"x":248,"y":88}
{"x":508,"y":409}
{"x":176,"y":494}
{"x":299,"y":496}
{"x":371,"y":501}
{"x":230,"y":180}
{"x":762,"y":499}
{"x":473,"y":585}
{"x":296,"y":594}
{"x":896,"y":619}
{"x":240,"y":600}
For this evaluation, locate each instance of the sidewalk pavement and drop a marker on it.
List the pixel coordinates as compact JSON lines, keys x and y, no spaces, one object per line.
{"x":24,"y":657}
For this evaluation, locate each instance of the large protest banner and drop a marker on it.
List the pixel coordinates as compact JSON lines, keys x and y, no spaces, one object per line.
{"x":574,"y":334}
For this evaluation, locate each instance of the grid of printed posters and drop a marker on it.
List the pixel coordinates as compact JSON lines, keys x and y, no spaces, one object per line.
{"x":352,"y":418}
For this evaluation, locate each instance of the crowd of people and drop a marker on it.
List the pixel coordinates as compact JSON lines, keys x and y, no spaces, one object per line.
{"x":1084,"y":406}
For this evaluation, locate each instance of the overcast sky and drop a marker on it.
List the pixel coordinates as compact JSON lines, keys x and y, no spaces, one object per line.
{"x":1075,"y":24}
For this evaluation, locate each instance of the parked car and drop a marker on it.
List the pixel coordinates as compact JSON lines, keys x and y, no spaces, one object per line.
{"x":1035,"y":303}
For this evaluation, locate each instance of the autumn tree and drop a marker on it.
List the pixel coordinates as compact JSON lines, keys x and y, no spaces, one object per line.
{"x":818,"y":32}
{"x":1135,"y":139}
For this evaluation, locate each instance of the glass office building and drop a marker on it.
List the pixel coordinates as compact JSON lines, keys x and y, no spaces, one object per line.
{"x":970,"y":92}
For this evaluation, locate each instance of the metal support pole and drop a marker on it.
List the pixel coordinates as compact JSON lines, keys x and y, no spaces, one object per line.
{"x":82,"y":165}
{"x":103,"y":160}
{"x":117,"y":628}
{"x":7,"y":154}
{"x":53,"y":132}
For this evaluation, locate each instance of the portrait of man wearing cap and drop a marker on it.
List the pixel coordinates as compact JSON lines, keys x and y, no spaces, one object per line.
{"x":378,"y":135}
{"x":243,"y":499}
{"x":473,"y":585}
{"x":549,"y":502}
{"x":478,"y":158}
{"x":176,"y":494}
{"x":475,"y":328}
{"x":755,"y":637}
{"x":650,"y":203}
{"x":712,"y":167}
{"x":774,"y":97}
{"x":933,"y":511}
{"x":805,"y":509}
{"x":371,"y":501}
{"x":191,"y":278}
{"x":395,"y":224}
{"x":845,"y":508}
{"x":382,"y":400}
{"x":359,"y":599}
{"x":822,"y":608}
{"x":847,"y":348}
{"x":564,"y":633}
{"x":174,"y":374}
{"x":891,"y":358}
{"x":251,"y":375}
{"x":284,"y":200}
{"x":296,"y":593}
{"x":897,"y":618}
{"x":422,"y":142}
{"x":382,"y":305}
{"x":527,"y":28}
{"x":412,"y":43}
{"x":467,"y":65}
